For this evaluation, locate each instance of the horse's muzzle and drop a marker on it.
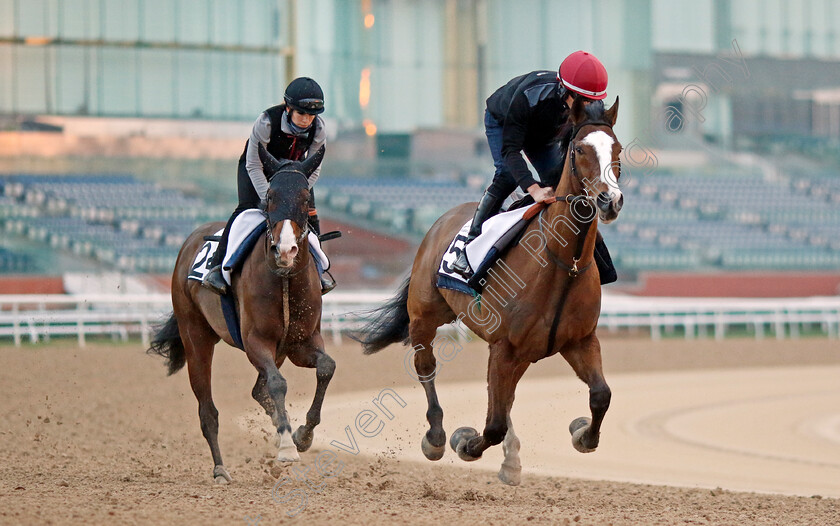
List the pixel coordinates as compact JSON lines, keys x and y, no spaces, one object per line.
{"x":284,"y":257}
{"x":608,"y":208}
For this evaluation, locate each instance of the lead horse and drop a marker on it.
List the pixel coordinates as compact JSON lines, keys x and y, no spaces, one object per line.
{"x":542,"y":298}
{"x":278,"y":300}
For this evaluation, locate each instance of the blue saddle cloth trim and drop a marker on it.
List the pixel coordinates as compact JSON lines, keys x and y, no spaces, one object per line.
{"x":228,"y":300}
{"x":489,"y":260}
{"x":450,"y":283}
{"x":317,"y":260}
{"x":241,"y":253}
{"x":232,"y":319}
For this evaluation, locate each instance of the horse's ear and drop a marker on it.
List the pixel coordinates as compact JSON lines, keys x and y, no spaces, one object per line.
{"x":270,"y":164}
{"x":612,"y":114}
{"x":578,"y":112}
{"x":313,"y":161}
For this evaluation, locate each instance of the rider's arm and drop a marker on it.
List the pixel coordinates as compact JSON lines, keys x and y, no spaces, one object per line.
{"x":260,"y":133}
{"x":513,"y":139}
{"x":319,"y":140}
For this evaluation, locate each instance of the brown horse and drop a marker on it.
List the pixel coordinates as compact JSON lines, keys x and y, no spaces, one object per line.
{"x":278,"y":300}
{"x":541,"y":298}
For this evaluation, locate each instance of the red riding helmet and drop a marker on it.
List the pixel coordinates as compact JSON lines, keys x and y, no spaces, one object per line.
{"x":583,"y":73}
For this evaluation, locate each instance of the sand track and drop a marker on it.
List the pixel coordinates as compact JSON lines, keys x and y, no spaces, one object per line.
{"x":100,"y":435}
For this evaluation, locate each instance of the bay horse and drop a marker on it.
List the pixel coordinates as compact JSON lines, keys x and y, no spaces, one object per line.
{"x":278,"y":300}
{"x":543,"y":297}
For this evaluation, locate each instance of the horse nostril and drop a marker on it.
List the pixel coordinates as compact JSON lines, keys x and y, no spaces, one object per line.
{"x":293,"y":252}
{"x":604,"y":201}
{"x":620,"y":203}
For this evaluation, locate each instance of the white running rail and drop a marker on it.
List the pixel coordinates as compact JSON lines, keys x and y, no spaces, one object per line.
{"x":38,"y":317}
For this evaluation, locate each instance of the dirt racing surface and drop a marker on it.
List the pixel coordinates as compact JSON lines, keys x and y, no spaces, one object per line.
{"x":101,"y":436}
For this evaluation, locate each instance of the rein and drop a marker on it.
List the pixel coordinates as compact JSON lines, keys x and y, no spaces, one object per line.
{"x":573,"y":271}
{"x":270,"y":242}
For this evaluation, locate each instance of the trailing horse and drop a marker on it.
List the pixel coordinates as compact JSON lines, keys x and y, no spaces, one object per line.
{"x":277,"y":299}
{"x":542,"y":298}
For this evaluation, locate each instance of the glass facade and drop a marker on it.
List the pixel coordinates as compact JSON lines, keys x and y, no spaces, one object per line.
{"x":389,"y":65}
{"x":152,"y":58}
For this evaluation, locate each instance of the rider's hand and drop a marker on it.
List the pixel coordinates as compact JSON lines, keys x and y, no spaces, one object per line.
{"x":539,"y":193}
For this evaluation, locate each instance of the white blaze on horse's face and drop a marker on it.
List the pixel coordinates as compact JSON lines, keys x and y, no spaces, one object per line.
{"x":287,"y":247}
{"x":602,"y":143}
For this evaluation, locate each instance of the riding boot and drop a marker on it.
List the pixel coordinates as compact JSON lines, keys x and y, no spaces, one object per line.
{"x":604,"y":262}
{"x":214,"y":279}
{"x":487,"y":208}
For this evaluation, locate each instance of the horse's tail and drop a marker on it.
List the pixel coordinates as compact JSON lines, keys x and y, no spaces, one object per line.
{"x":167,"y":343}
{"x":389,"y":324}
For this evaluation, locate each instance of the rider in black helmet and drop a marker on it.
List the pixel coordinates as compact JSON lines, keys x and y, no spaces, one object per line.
{"x":292,"y":130}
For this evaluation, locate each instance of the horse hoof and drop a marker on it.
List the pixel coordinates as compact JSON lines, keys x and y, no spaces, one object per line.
{"x":220,"y":475}
{"x":288,"y":450}
{"x":577,"y":440}
{"x":432,"y":452}
{"x":303,"y":439}
{"x":462,"y":433}
{"x":578,"y":423}
{"x":288,"y":455}
{"x":458,"y":442}
{"x":510,"y":476}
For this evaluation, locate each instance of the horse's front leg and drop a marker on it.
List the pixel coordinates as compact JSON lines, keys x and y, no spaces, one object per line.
{"x":260,"y":352}
{"x":585,"y":359}
{"x":503,"y":374}
{"x":311,"y":354}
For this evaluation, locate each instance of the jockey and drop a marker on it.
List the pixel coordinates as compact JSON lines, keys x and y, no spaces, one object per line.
{"x":292,"y":130}
{"x":529,"y":114}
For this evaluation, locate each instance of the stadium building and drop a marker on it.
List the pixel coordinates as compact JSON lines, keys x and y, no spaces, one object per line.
{"x":721,"y":100}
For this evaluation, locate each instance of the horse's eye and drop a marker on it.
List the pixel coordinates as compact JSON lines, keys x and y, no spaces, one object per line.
{"x":579,"y":150}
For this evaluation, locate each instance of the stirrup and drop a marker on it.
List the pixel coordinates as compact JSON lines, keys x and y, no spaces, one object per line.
{"x":327,"y":282}
{"x":462,"y":265}
{"x":214,"y":281}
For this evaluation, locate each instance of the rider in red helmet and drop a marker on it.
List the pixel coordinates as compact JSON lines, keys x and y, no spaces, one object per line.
{"x":528,"y":115}
{"x":292,"y":130}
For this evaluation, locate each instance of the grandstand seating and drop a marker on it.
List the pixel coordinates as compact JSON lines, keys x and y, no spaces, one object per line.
{"x":115,"y":219}
{"x":682,"y":219}
{"x":13,"y":262}
{"x":672,"y":219}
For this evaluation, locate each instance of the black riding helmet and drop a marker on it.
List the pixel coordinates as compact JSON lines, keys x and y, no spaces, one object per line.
{"x":305,"y":95}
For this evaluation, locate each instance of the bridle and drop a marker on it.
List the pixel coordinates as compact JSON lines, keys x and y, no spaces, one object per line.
{"x":271,"y":243}
{"x":573,"y":270}
{"x":572,"y":200}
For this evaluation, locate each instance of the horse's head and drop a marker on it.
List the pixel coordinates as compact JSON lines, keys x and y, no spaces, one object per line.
{"x":287,"y":204}
{"x":593,"y":157}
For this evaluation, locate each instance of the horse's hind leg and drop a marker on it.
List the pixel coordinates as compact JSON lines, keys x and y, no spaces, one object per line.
{"x":422,"y":333}
{"x":198,"y":347}
{"x":511,"y":471}
{"x":585,"y":359}
{"x":503,"y":373}
{"x":312,"y":355}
